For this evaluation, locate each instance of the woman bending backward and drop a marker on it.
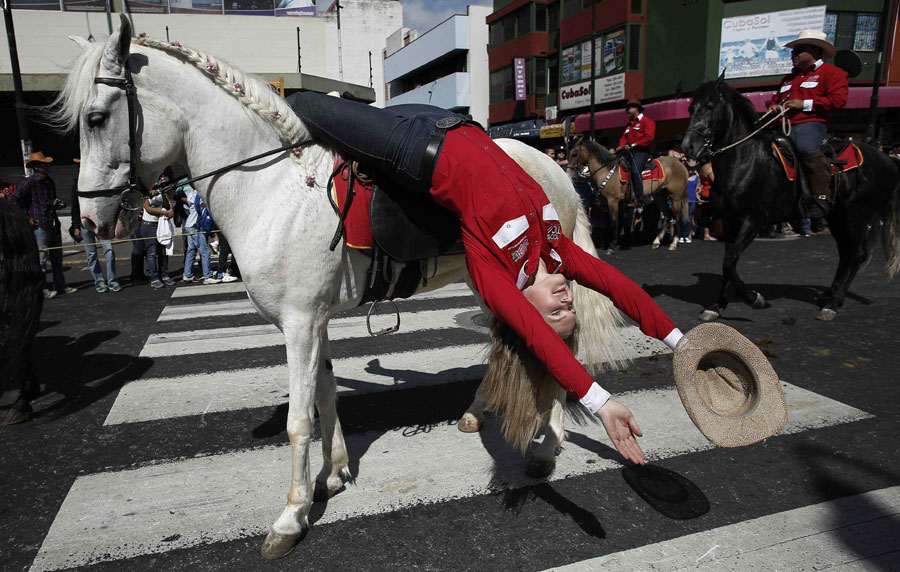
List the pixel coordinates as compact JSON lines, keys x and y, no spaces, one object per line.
{"x":511,"y":233}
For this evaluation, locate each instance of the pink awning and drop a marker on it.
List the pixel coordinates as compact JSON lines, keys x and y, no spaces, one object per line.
{"x":678,"y":108}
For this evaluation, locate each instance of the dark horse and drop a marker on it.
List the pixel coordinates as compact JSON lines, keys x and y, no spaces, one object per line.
{"x":21,"y":301}
{"x":753,"y":192}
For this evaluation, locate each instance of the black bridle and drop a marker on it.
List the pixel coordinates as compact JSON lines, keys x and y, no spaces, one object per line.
{"x":134,"y":192}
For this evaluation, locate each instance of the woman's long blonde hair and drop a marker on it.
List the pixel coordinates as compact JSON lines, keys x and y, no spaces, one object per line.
{"x":518,"y":385}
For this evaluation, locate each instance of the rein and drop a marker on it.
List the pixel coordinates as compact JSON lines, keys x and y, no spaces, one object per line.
{"x":785,"y":128}
{"x":135,"y":191}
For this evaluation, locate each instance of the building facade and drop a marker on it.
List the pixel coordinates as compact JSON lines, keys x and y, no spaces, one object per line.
{"x":660,"y":51}
{"x":446,"y":66}
{"x":299,"y":52}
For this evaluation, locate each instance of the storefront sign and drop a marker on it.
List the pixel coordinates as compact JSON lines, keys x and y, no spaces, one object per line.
{"x":751,"y":45}
{"x":195,"y":6}
{"x":519,"y":70}
{"x":553,"y":131}
{"x":608,"y":88}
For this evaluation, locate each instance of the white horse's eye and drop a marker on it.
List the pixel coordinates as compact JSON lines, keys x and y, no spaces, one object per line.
{"x":96,"y":119}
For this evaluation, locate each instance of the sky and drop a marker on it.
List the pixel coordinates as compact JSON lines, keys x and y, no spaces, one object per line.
{"x":426,"y":14}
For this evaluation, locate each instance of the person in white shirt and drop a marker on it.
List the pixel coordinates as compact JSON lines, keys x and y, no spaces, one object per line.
{"x":196,"y":240}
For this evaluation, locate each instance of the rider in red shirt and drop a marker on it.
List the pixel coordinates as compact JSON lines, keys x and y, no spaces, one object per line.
{"x":636,"y":139}
{"x":811,"y":91}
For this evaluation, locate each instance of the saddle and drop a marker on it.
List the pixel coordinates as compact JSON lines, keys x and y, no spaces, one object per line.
{"x":653,"y":172}
{"x":394,"y":227}
{"x":842,"y":154}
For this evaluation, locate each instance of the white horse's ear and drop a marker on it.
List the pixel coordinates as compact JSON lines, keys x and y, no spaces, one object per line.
{"x":334,"y":94}
{"x":117,"y":47}
{"x":82,"y":43}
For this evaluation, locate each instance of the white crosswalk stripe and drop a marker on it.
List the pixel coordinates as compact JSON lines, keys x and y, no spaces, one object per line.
{"x":178,"y":504}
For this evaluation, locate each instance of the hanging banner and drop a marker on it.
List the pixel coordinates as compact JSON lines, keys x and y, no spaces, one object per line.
{"x":751,"y":45}
{"x":195,"y":6}
{"x":250,"y":7}
{"x":295,"y":7}
{"x":519,"y":70}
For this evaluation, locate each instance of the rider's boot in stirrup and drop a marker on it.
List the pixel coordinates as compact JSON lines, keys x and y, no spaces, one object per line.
{"x":816,"y":169}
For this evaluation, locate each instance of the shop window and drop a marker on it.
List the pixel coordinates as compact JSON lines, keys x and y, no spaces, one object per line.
{"x":496,"y":32}
{"x":634,"y":48}
{"x":553,"y":16}
{"x":857,"y":31}
{"x":540,"y":18}
{"x":502,"y":85}
{"x":523,"y":21}
{"x":571,"y":7}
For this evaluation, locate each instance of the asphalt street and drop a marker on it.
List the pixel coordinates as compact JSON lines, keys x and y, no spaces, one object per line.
{"x":159,"y":442}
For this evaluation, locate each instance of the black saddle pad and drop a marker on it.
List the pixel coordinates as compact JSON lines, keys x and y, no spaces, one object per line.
{"x":409,"y":226}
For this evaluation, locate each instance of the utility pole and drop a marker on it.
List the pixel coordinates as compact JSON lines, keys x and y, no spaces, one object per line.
{"x":593,"y":59}
{"x":340,"y":54}
{"x":371,"y":84}
{"x":109,"y":16}
{"x":24,"y":136}
{"x":298,"y":50}
{"x":872,"y":130}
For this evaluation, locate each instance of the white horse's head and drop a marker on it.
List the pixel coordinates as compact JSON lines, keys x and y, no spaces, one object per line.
{"x":100,"y":112}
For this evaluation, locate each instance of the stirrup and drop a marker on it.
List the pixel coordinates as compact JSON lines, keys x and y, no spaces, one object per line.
{"x":383,"y":331}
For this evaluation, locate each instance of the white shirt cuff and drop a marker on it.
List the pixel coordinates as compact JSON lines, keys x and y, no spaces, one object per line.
{"x":672,"y":339}
{"x":807,"y":104}
{"x":595,"y":398}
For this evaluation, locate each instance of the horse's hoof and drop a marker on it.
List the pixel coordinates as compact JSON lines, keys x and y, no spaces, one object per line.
{"x":708,"y":316}
{"x":278,"y":545}
{"x":14,"y":416}
{"x":469,"y":424}
{"x":322,"y":493}
{"x":673,"y":246}
{"x":827,"y":315}
{"x":610,"y":251}
{"x":539,"y":468}
{"x":654,"y":245}
{"x":759,"y":303}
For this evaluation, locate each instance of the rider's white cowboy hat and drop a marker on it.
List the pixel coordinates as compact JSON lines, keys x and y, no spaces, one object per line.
{"x":814,"y":38}
{"x":728,"y":387}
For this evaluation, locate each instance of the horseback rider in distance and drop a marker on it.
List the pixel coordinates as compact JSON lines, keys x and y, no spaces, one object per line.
{"x":635,"y":143}
{"x":811,"y":91}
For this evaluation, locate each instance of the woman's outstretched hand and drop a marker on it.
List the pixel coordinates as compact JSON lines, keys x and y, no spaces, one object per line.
{"x":622,"y":429}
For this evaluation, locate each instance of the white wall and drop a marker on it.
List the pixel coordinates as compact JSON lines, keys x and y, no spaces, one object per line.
{"x":479,"y":77}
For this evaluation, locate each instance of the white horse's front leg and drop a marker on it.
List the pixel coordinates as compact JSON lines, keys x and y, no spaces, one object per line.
{"x":473,"y":418}
{"x":542,"y":458}
{"x":334,"y":471}
{"x":304,"y":348}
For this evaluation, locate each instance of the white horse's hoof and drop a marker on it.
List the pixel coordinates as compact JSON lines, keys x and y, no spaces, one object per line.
{"x":539,"y":468}
{"x":610,"y":251}
{"x":708,"y":316}
{"x":673,"y":246}
{"x":278,"y":545}
{"x":655,"y":245}
{"x":759,"y":303}
{"x":469,"y":424}
{"x":827,"y":315}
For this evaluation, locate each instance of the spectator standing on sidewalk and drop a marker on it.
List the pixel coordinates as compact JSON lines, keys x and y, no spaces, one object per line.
{"x":154,"y":207}
{"x":78,"y":234}
{"x":196,"y":240}
{"x":36,"y":195}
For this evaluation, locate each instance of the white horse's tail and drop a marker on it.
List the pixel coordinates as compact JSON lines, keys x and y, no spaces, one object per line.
{"x":599,"y":336}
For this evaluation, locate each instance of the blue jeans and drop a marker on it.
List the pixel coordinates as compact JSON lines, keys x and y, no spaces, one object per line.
{"x":640,"y":159}
{"x":154,"y":249}
{"x":196,"y":242}
{"x":47,"y":238}
{"x":93,"y":263}
{"x":686,"y":226}
{"x":807,"y":137}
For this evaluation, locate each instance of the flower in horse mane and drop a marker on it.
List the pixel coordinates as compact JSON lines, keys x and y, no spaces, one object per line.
{"x":297,"y":151}
{"x":176,"y":44}
{"x":310,"y":181}
{"x":211,"y":66}
{"x":142,"y":35}
{"x":239,"y":87}
{"x":275,"y":115}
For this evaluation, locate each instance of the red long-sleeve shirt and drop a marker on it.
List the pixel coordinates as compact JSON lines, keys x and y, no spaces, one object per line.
{"x":640,"y":131}
{"x":507,"y":225}
{"x":822,"y":87}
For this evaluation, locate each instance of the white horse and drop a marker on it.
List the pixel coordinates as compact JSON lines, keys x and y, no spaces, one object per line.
{"x":198,"y":111}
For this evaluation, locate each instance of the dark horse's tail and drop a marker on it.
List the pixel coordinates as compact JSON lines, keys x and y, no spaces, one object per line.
{"x":21,"y":301}
{"x":890,"y":232}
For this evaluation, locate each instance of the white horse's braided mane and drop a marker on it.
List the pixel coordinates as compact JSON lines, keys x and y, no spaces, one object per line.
{"x":249,"y":90}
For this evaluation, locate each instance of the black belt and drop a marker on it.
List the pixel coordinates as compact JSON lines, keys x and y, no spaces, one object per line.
{"x":433,"y":149}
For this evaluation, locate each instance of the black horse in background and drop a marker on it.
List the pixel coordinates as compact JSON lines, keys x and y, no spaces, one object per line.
{"x":751,"y":191}
{"x":21,"y":301}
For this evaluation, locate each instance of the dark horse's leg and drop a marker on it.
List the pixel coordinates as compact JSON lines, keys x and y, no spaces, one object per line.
{"x":612,"y":206}
{"x":850,"y":233}
{"x":21,"y":410}
{"x":734,"y":246}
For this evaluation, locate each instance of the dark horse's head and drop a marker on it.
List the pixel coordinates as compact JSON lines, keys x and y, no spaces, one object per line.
{"x":718,"y":114}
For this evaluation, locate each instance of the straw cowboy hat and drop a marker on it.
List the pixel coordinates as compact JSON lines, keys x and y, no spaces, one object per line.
{"x":728,"y":387}
{"x":814,"y":38}
{"x":38,"y":157}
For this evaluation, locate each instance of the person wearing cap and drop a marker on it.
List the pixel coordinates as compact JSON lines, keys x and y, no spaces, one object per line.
{"x":36,"y":195}
{"x":516,"y":254}
{"x":811,"y":92}
{"x":636,"y":140}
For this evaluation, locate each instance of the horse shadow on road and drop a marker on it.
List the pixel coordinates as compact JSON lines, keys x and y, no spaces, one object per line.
{"x":706,"y":289}
{"x":72,"y":378}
